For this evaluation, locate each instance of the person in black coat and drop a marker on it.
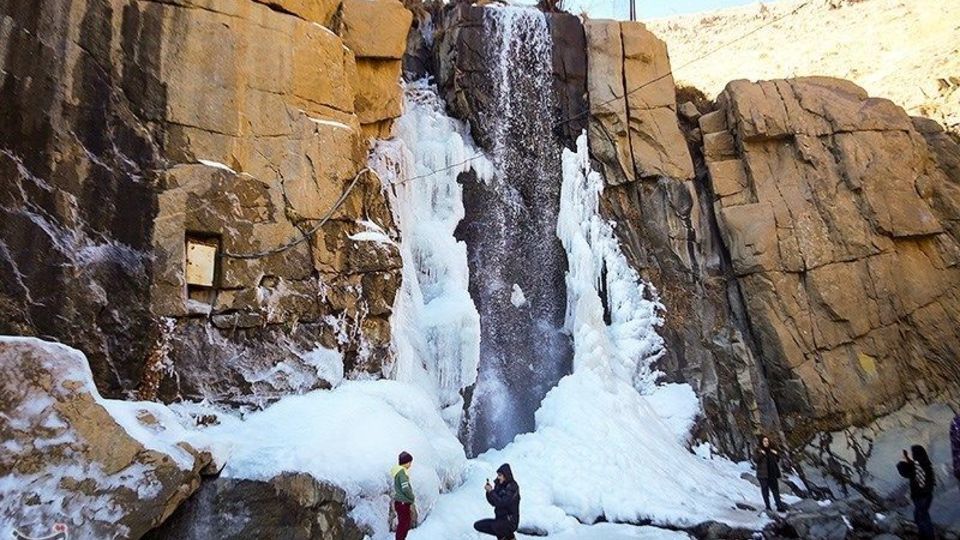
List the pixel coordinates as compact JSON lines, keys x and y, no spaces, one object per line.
{"x":919,"y":471}
{"x":768,"y":473}
{"x":504,"y":496}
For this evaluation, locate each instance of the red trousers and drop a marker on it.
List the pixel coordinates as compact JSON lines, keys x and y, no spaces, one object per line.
{"x":403,"y":519}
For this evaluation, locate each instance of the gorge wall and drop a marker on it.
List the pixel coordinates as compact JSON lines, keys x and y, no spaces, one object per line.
{"x":806,"y":254}
{"x":774,"y":263}
{"x":801,"y":235}
{"x":132,"y":128}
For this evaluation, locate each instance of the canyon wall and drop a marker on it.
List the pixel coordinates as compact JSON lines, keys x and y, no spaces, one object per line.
{"x":658,"y":193}
{"x":805,"y":249}
{"x":185,"y":199}
{"x":136,"y":131}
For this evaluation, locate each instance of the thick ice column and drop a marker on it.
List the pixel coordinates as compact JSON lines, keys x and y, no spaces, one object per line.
{"x":436,"y":327}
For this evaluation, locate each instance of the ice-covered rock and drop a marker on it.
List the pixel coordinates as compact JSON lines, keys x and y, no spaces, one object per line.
{"x":348,"y":437}
{"x":435,"y":325}
{"x":103,"y":468}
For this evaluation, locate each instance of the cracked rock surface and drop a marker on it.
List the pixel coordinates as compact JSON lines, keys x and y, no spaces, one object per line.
{"x":129,"y":125}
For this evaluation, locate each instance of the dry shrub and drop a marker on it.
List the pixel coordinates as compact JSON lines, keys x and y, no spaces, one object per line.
{"x":550,"y":6}
{"x":694,"y":95}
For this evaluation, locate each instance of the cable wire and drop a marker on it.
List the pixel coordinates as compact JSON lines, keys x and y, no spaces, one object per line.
{"x":586,"y":112}
{"x":307,"y":235}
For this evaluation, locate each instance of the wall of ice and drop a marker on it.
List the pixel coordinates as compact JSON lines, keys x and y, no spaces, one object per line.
{"x":436,"y":328}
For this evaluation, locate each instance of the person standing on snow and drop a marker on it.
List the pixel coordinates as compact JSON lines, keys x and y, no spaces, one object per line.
{"x":919,"y":471}
{"x":955,"y":444}
{"x":768,"y":473}
{"x":403,"y":494}
{"x":504,"y":496}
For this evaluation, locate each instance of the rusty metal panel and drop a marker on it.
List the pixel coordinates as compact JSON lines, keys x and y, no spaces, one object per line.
{"x":201,"y":263}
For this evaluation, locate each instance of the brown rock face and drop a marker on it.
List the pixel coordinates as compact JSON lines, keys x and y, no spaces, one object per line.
{"x":69,"y":456}
{"x":809,"y":269}
{"x":633,"y":127}
{"x":840,"y":222}
{"x":376,"y":28}
{"x":132,"y":127}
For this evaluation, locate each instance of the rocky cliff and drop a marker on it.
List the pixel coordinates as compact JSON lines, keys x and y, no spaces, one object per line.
{"x":806,"y":256}
{"x":133,"y":130}
{"x":185,"y":199}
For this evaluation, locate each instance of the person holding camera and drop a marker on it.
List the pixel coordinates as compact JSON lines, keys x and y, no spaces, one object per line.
{"x":917,"y":468}
{"x":504,"y":496}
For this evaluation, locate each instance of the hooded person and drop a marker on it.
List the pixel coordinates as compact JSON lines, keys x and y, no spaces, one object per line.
{"x":768,"y":473}
{"x":504,"y":496}
{"x":403,"y":499}
{"x":916,"y":468}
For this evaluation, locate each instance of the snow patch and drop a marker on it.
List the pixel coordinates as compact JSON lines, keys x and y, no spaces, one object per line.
{"x":331,"y":123}
{"x":216,"y":165}
{"x":327,"y":362}
{"x":517,"y":298}
{"x":371,"y":233}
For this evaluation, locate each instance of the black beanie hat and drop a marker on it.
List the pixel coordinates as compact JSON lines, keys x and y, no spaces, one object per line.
{"x":506,"y":472}
{"x":405,"y":458}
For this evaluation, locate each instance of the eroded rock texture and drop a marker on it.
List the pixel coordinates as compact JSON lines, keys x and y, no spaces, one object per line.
{"x":633,"y":124}
{"x":131,"y":125}
{"x":665,"y":223}
{"x":840,"y":224}
{"x":805,"y":248}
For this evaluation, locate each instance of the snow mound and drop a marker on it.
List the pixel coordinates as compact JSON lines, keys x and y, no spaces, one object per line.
{"x":350,"y":437}
{"x":103,"y":468}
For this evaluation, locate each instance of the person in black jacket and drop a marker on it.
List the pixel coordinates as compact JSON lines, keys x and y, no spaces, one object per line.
{"x":768,"y":473}
{"x":504,"y":496}
{"x":919,"y":471}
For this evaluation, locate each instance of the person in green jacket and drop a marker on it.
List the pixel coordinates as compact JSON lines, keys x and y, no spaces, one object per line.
{"x":402,"y":494}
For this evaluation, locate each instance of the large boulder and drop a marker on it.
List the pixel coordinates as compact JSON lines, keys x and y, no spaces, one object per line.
{"x":291,"y":505}
{"x":105,"y":469}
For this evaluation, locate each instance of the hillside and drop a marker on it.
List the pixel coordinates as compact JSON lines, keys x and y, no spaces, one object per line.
{"x":905,"y":50}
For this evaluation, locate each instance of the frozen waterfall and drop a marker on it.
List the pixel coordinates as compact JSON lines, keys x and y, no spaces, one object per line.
{"x":436,"y":327}
{"x":510,"y":233}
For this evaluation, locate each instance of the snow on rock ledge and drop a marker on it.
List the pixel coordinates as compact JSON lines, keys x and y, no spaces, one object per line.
{"x":348,"y":437}
{"x":105,"y":468}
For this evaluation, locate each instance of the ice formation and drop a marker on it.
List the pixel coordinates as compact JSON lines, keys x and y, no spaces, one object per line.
{"x":436,"y":328}
{"x":609,"y":443}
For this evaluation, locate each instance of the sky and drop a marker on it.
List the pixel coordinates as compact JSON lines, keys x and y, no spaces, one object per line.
{"x":648,"y":9}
